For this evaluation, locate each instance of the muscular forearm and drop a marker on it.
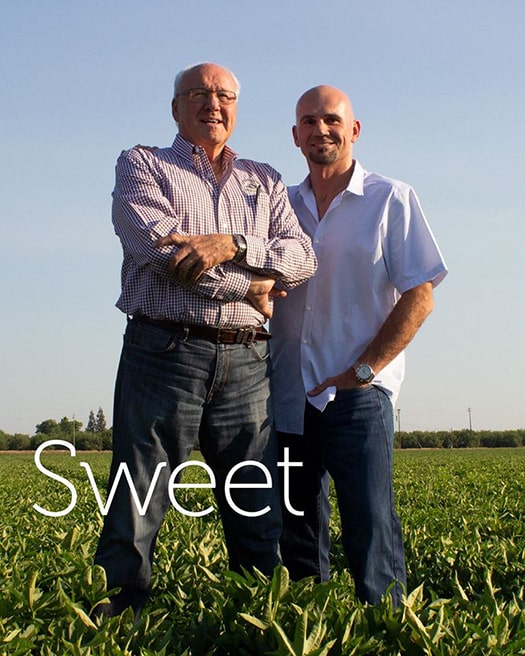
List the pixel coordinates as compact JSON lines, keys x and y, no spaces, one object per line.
{"x":394,"y":336}
{"x":400,"y":327}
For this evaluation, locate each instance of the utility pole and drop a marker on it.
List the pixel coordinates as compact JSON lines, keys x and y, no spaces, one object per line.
{"x":74,"y":431}
{"x":469,"y":410}
{"x":398,"y":417}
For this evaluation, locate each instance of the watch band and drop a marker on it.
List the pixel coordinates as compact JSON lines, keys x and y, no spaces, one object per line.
{"x":242,"y":247}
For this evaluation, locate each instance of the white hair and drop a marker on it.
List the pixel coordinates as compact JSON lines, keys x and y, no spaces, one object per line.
{"x":180,"y":75}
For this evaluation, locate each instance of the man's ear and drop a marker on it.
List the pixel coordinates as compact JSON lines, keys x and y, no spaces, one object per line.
{"x":175,"y":110}
{"x":356,"y":130}
{"x":294,"y":134}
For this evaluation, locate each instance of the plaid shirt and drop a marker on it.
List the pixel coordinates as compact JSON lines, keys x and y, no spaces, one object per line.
{"x":175,"y":190}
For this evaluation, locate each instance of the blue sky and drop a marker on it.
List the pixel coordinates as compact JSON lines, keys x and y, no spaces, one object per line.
{"x":438,"y":88}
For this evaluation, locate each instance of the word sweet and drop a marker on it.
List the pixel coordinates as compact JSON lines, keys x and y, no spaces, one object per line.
{"x":172,"y":484}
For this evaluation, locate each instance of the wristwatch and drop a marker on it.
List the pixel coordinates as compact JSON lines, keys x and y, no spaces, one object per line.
{"x":363,"y":372}
{"x":240,"y":242}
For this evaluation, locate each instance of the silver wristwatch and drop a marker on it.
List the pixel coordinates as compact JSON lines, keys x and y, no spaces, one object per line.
{"x":364,"y":372}
{"x":240,"y":242}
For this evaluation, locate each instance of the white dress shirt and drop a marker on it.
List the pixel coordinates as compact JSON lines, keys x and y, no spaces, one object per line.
{"x":372,"y":245}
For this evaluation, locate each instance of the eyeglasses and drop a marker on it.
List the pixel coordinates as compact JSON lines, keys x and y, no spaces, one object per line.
{"x":201,"y":95}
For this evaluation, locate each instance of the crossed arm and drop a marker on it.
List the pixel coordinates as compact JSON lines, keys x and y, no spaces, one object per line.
{"x":198,"y":253}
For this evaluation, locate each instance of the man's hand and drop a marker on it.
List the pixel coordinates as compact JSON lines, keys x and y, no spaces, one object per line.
{"x":346,"y":380}
{"x":259,"y":294}
{"x":197,"y":253}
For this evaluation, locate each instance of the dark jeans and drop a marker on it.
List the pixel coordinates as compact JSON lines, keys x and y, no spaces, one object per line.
{"x":352,"y":441}
{"x":171,"y":393}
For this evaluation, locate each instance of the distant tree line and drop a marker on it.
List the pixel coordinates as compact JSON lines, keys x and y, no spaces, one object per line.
{"x":97,"y":437}
{"x":459,"y":439}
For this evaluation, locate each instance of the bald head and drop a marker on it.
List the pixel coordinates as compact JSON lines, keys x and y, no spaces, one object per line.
{"x":326,"y":128}
{"x":321,"y":96}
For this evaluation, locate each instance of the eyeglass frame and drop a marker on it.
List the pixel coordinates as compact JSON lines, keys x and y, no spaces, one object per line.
{"x":208,"y":92}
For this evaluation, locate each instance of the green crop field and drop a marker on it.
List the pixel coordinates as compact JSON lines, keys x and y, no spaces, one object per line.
{"x":463,"y":513}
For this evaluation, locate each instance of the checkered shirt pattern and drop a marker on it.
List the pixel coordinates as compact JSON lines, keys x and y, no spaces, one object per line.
{"x":175,"y":190}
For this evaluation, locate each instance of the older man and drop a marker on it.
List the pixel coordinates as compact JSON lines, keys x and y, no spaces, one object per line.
{"x":205,"y":236}
{"x":338,"y":348}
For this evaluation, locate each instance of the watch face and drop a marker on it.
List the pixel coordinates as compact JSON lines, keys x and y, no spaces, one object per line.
{"x":365,"y":373}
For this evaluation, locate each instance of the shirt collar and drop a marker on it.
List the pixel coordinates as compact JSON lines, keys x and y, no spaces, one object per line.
{"x":187,"y":150}
{"x":355,"y":186}
{"x":357,"y":181}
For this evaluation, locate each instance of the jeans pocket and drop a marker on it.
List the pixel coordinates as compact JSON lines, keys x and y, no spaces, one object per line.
{"x":150,"y":339}
{"x":342,"y":394}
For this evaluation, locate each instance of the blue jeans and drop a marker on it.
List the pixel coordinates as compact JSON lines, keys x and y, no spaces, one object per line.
{"x":170,"y":394}
{"x":352,"y":441}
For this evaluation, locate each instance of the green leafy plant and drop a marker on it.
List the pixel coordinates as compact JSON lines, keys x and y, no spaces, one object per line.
{"x":463,"y":516}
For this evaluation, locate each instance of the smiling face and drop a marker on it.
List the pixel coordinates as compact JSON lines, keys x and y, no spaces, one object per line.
{"x":206,"y":122}
{"x":326,"y":128}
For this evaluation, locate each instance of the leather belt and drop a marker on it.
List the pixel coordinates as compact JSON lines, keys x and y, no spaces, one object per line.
{"x":246,"y":335}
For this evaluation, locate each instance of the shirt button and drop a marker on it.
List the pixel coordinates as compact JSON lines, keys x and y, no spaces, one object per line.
{"x":308,"y":307}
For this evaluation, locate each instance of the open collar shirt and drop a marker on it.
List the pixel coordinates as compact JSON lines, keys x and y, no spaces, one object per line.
{"x":174,"y":189}
{"x":372,"y":245}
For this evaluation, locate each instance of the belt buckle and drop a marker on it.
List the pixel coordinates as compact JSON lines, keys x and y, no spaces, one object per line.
{"x":246,"y":336}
